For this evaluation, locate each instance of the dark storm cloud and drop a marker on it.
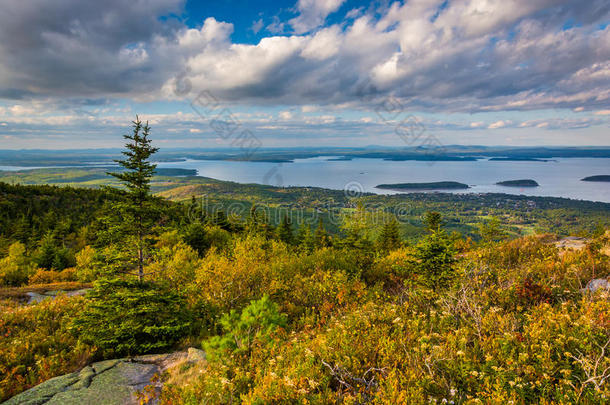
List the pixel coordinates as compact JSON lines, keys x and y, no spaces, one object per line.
{"x":75,"y":47}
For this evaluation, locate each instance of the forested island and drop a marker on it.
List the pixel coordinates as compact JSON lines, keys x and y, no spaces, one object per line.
{"x":517,"y":159}
{"x":518,"y":183}
{"x":438,"y":185}
{"x":599,"y":178}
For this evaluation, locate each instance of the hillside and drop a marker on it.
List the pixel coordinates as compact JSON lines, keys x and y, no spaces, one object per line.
{"x":302,"y":294}
{"x":352,"y":318}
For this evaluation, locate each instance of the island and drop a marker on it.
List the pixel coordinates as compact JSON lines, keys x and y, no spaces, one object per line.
{"x":518,"y":183}
{"x":518,"y":159}
{"x":600,"y":178}
{"x":438,"y":185}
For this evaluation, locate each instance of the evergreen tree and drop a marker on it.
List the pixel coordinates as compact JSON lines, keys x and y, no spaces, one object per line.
{"x":491,"y":231}
{"x":304,"y":238}
{"x":436,"y":254}
{"x":195,"y":211}
{"x":46,"y":252}
{"x":256,"y":324}
{"x":389,"y":238}
{"x":433,"y":221}
{"x":137,"y":213}
{"x":320,"y":235}
{"x":62,"y":259}
{"x":220,"y":220}
{"x":125,"y":317}
{"x":22,"y":229}
{"x":258,"y":224}
{"x":252,"y":225}
{"x":301,"y":233}
{"x":195,"y":236}
{"x":284,"y":231}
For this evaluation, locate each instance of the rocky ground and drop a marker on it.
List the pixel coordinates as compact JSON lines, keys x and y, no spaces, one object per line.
{"x":571,"y":242}
{"x":110,"y":382}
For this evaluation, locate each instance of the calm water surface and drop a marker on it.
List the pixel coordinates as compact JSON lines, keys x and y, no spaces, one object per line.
{"x":557,"y":178}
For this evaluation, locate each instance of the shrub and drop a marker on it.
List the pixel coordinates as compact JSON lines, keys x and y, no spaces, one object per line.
{"x":85,"y":264}
{"x":35,"y":344}
{"x":125,"y":317}
{"x":52,"y":276}
{"x":392,"y":270}
{"x":255,"y":323}
{"x":436,"y":256}
{"x":16,"y":268}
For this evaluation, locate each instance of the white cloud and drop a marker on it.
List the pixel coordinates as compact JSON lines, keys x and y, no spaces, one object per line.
{"x":469,"y":55}
{"x":602,"y":112}
{"x":313,"y":13}
{"x":276,"y":27}
{"x":497,"y":124}
{"x":285,"y":115}
{"x":309,"y":108}
{"x":323,"y":45}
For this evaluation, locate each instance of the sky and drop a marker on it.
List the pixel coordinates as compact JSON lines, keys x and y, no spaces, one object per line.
{"x":74,"y":73}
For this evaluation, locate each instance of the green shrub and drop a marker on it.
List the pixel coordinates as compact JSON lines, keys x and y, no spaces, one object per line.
{"x":125,"y":317}
{"x":256,"y":323}
{"x":16,"y":268}
{"x":436,"y":255}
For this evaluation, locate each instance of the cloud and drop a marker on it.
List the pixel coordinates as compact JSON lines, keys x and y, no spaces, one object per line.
{"x":277,"y":26}
{"x":313,"y":13}
{"x":323,"y":45}
{"x":498,"y":124}
{"x":257,"y":26}
{"x":602,"y":112}
{"x":69,"y":47}
{"x":453,"y":62}
{"x":459,"y":56}
{"x":285,"y":115}
{"x":309,"y":108}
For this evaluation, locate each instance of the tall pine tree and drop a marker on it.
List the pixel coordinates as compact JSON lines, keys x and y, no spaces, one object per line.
{"x":321,"y":236}
{"x":284,"y":231}
{"x":389,"y":238}
{"x":137,"y":211}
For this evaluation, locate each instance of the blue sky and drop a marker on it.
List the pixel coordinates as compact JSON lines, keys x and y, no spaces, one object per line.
{"x":305,"y":72}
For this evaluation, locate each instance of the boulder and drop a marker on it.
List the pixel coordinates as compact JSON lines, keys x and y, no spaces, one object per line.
{"x":195,"y":355}
{"x":110,"y":382}
{"x":597,"y":284}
